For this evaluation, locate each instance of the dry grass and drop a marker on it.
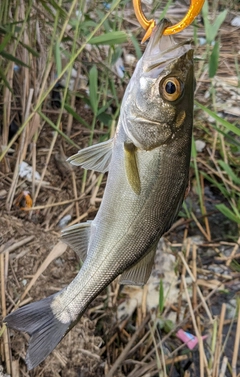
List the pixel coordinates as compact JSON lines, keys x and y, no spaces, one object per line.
{"x":33,"y":264}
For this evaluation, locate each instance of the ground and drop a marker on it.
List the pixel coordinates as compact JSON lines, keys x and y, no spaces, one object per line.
{"x":194,"y":285}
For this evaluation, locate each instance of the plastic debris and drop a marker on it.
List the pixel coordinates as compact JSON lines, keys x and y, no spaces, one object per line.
{"x":200,"y":145}
{"x":64,"y":221}
{"x":26,"y":171}
{"x":129,"y":59}
{"x":190,"y":340}
{"x":3,"y":193}
{"x":235,"y":21}
{"x":202,"y":41}
{"x":119,"y":68}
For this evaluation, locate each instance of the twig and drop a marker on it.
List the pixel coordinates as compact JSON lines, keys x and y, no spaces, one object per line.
{"x":198,"y":290}
{"x":75,"y":192}
{"x":236,"y":188}
{"x":181,"y":283}
{"x":236,"y":347}
{"x":224,"y":367}
{"x":233,"y":252}
{"x":61,"y":215}
{"x":200,"y":227}
{"x":54,"y":204}
{"x":217,"y":353}
{"x":4,"y":313}
{"x":18,"y":244}
{"x":55,"y":135}
{"x":203,"y":359}
{"x":194,"y":271}
{"x":124,"y":353}
{"x":20,"y":158}
{"x":56,"y":252}
{"x":204,"y":209}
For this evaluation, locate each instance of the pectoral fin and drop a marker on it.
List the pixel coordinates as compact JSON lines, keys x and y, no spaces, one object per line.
{"x":131,"y":167}
{"x":77,"y":237}
{"x":96,"y":157}
{"x":140,"y":272}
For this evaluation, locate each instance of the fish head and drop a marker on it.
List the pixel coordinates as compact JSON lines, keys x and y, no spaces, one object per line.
{"x":159,"y":97}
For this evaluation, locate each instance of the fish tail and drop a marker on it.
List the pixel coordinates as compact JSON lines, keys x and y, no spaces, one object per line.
{"x":46,"y":331}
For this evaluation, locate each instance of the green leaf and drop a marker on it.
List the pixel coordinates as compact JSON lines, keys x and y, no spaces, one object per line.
{"x":71,"y":142}
{"x":215,"y":183}
{"x":161,"y":297}
{"x":57,"y":8}
{"x":12,"y":58}
{"x":3,"y":77}
{"x":116,"y":55}
{"x":105,"y":118}
{"x":70,"y":110}
{"x":213,"y":61}
{"x":84,"y":24}
{"x":211,"y":30}
{"x":222,"y":121}
{"x":164,"y":12}
{"x":29,"y":49}
{"x":217,"y":24}
{"x":50,"y":10}
{"x":113,"y":90}
{"x":168,"y":325}
{"x":112,"y":38}
{"x":207,"y":24}
{"x":205,"y":10}
{"x":137,"y":47}
{"x":193,"y":149}
{"x":4,"y":42}
{"x":9,"y":35}
{"x":105,"y":107}
{"x":93,"y":77}
{"x":114,"y":4}
{"x":229,"y":171}
{"x":58,"y":58}
{"x":231,"y":139}
{"x":228,"y":213}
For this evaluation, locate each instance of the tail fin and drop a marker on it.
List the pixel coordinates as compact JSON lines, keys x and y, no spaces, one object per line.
{"x":46,"y":331}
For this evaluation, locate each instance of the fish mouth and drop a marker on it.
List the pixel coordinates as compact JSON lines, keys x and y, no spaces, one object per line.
{"x":163,"y":48}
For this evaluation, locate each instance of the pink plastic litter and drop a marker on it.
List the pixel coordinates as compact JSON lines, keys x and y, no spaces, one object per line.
{"x":190,"y":340}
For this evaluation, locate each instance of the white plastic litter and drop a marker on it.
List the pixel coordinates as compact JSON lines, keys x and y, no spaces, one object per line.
{"x":64,"y":221}
{"x":26,"y":171}
{"x":235,"y":21}
{"x":200,"y":145}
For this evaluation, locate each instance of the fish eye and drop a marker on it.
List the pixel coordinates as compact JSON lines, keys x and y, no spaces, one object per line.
{"x":171,"y":88}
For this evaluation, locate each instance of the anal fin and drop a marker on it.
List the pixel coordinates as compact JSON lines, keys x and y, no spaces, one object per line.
{"x":96,"y":157}
{"x":77,"y":237}
{"x":131,"y":167}
{"x":140,"y":272}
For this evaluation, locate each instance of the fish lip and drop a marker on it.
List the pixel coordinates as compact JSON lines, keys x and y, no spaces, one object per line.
{"x":163,"y":48}
{"x":158,"y":33}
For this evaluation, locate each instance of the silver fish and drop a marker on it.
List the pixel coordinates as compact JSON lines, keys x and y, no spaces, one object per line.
{"x":148,"y":163}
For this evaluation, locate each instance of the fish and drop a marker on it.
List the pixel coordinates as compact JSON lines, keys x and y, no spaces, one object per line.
{"x":147,"y":162}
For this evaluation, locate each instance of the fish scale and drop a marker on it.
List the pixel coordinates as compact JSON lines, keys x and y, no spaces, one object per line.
{"x":148,"y":167}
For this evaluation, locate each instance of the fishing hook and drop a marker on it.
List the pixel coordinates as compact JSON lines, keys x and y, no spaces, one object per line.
{"x":148,"y":25}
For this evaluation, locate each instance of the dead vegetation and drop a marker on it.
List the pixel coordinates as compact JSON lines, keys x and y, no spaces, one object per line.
{"x":126,"y":332}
